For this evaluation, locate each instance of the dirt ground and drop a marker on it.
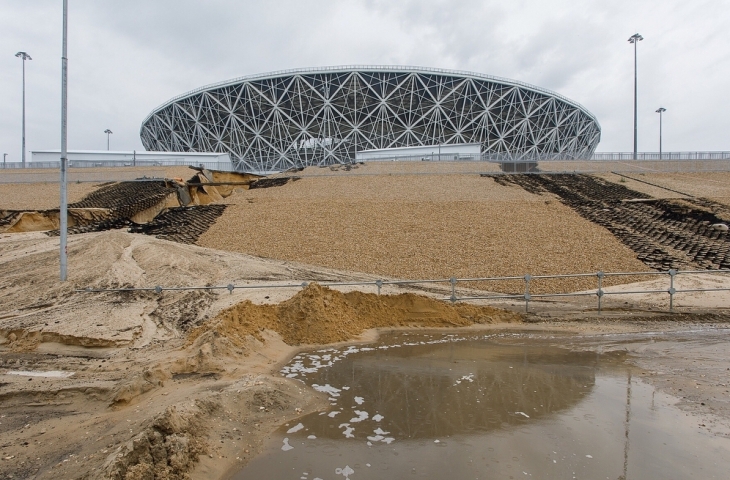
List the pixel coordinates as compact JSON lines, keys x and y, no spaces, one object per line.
{"x":184,"y":384}
{"x":145,"y":385}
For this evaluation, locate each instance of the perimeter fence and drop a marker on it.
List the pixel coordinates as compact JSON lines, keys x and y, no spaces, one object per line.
{"x":605,"y":162}
{"x":452,"y":283}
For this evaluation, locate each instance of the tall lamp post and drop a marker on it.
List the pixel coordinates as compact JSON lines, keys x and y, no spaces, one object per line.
{"x":660,"y":111}
{"x":4,"y":156}
{"x":108,"y":132}
{"x":24,"y":56}
{"x":63,"y":230}
{"x":635,"y":38}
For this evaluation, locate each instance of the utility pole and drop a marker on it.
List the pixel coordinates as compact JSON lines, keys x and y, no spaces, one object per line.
{"x":660,"y":111}
{"x":108,"y":132}
{"x":24,"y":56}
{"x":63,"y":230}
{"x":635,"y":38}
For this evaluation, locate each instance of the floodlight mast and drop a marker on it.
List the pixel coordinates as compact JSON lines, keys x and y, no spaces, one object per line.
{"x":635,"y":38}
{"x":108,"y":132}
{"x":660,"y":110}
{"x":24,"y":56}
{"x":64,"y":147}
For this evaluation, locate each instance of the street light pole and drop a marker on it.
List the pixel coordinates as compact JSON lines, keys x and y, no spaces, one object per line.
{"x":24,"y":56}
{"x":635,"y":38}
{"x":63,"y":229}
{"x":660,"y":111}
{"x":108,"y":132}
{"x":4,"y":155}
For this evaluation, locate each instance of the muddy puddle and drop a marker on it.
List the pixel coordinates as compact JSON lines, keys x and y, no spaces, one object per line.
{"x":501,"y":405}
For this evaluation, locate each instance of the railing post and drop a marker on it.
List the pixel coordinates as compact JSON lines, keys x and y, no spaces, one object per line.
{"x":672,"y":290}
{"x":230,"y":288}
{"x":599,"y":292}
{"x":158,"y":289}
{"x":304,"y":284}
{"x":452,"y":280}
{"x":379,"y":283}
{"x":527,"y":292}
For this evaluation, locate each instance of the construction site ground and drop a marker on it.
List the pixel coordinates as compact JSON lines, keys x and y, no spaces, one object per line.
{"x":178,"y":384}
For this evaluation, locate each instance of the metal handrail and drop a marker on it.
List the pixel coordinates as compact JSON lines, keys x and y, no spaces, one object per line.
{"x":453,"y":281}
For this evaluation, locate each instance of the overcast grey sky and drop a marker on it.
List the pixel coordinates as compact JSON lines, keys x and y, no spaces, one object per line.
{"x":127,"y":57}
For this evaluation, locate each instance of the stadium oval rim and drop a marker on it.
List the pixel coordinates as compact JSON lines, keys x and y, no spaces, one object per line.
{"x":370,"y":68}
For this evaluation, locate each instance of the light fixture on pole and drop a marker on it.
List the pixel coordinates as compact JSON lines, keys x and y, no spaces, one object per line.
{"x":4,"y":156}
{"x":63,"y":227}
{"x":635,"y":38}
{"x":24,"y":56}
{"x":660,"y":111}
{"x":108,"y":132}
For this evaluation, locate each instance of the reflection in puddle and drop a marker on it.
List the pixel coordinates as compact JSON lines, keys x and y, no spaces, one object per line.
{"x":495,"y":406}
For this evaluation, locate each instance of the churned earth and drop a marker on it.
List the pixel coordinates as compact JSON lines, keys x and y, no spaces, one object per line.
{"x":186,"y":383}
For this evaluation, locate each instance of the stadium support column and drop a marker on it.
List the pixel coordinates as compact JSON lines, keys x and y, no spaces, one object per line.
{"x":635,"y":38}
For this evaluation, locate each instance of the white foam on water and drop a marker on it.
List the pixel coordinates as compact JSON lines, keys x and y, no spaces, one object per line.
{"x":295,"y":428}
{"x":388,"y":440}
{"x":523,"y":414}
{"x":360,"y":416}
{"x":345,"y":472}
{"x":312,"y":437}
{"x":376,"y":438}
{"x":359,"y":400}
{"x":379,"y":431}
{"x":348,"y":430}
{"x":328,"y":389}
{"x":286,"y":447}
{"x":378,"y":417}
{"x":332,"y":414}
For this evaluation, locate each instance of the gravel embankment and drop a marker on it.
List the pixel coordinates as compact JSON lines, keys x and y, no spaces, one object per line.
{"x":420,"y":226}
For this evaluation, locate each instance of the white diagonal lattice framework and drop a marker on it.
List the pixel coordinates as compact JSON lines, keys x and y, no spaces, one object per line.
{"x":324,"y":116}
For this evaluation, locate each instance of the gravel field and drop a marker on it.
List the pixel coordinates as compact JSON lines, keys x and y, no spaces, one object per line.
{"x":34,"y":195}
{"x":420,"y":226}
{"x":712,"y":185}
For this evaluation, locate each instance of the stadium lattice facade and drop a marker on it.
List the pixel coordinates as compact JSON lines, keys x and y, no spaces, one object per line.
{"x":324,"y":116}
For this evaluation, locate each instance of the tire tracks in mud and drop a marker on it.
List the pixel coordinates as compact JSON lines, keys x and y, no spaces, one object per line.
{"x":663,"y":233}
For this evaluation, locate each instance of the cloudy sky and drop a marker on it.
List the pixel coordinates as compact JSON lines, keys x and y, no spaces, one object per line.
{"x":127,"y":57}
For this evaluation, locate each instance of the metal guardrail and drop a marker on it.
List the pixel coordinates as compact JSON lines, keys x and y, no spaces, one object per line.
{"x":648,"y":162}
{"x":220,"y":166}
{"x":599,"y":293}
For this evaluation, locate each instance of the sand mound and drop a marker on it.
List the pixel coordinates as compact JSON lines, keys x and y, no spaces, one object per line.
{"x":319,"y":315}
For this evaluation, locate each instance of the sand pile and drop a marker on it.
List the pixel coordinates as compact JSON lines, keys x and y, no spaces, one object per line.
{"x":319,"y":315}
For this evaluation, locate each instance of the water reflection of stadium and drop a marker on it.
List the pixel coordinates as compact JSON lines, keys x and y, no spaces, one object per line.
{"x":427,"y":391}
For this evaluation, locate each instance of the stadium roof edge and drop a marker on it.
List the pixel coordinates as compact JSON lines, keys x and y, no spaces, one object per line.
{"x":369,"y":68}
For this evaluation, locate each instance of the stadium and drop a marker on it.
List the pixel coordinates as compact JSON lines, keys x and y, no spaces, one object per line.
{"x":324,"y":116}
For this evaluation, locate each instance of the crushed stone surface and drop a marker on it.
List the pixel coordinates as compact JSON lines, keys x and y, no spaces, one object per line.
{"x":421,"y":227}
